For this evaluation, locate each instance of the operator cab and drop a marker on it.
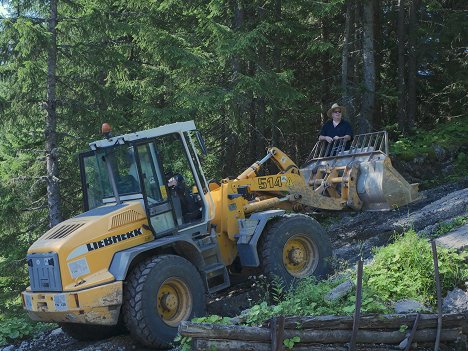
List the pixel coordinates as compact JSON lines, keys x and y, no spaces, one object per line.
{"x":159,"y":167}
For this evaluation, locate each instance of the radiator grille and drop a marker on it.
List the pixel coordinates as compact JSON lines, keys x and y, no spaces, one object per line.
{"x":62,"y":231}
{"x":44,"y":272}
{"x":125,"y":218}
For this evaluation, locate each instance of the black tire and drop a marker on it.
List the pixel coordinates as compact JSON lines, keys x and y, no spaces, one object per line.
{"x":161,"y":292}
{"x":294,"y":247}
{"x":90,"y":332}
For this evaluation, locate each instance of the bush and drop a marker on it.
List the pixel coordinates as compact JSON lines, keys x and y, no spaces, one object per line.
{"x":405,"y":269}
{"x":13,"y":328}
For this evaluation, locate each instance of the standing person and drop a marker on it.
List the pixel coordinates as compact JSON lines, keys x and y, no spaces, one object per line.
{"x":336,"y":128}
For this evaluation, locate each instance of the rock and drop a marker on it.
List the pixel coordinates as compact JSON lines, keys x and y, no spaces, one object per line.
{"x":409,"y":306}
{"x":456,"y":239}
{"x":8,"y":348}
{"x":24,"y":345}
{"x":456,"y":301}
{"x":340,"y":291}
{"x":440,"y":152}
{"x":403,"y":344}
{"x":56,"y":332}
{"x":419,"y":160}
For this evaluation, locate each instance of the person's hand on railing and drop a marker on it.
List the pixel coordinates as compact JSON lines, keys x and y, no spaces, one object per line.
{"x":326,"y":138}
{"x":345,"y":137}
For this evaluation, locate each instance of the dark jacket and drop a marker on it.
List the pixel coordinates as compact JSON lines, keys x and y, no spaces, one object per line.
{"x":343,"y":128}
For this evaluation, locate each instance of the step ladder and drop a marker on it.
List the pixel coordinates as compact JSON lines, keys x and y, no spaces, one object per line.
{"x":215,"y":272}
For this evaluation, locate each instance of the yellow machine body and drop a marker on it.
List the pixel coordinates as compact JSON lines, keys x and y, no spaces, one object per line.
{"x":94,"y":296}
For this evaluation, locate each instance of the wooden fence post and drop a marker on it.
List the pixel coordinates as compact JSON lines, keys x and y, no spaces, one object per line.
{"x":439,"y":295}
{"x":357,"y":309}
{"x":277,"y":333}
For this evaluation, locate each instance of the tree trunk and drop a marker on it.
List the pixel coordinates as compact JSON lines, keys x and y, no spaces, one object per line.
{"x":326,"y":76}
{"x":378,"y":115}
{"x":346,"y":62}
{"x":355,"y":61}
{"x":237,"y":22}
{"x":412,"y":69}
{"x":260,"y":101}
{"x":239,"y":107}
{"x":368,"y":97}
{"x":276,"y":68}
{"x":253,"y":135}
{"x":401,"y":42}
{"x":53,"y":187}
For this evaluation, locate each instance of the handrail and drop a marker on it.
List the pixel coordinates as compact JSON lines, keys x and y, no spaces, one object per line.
{"x":361,"y":144}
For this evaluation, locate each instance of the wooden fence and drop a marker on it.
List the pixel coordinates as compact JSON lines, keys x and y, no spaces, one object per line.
{"x":329,"y":332}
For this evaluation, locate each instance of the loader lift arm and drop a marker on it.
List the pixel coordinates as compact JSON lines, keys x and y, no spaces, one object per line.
{"x":361,"y":177}
{"x":289,"y":189}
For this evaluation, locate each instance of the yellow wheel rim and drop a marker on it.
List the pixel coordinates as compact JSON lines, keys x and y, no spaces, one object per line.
{"x":174,"y":301}
{"x":300,"y":256}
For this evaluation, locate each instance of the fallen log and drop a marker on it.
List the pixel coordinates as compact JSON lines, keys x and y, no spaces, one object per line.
{"x":259,"y":334}
{"x":387,"y":321}
{"x":240,"y":345}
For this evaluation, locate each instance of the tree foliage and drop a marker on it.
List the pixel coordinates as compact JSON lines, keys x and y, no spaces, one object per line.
{"x":250,"y":73}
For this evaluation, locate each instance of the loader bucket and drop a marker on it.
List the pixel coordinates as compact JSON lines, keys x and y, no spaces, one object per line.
{"x":374,"y":186}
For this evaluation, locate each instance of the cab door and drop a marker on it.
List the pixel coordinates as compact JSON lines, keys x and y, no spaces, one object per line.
{"x":158,"y":204}
{"x":171,"y":187}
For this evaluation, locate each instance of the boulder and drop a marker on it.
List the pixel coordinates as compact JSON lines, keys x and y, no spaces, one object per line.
{"x":456,"y":301}
{"x":341,"y":290}
{"x":409,"y":306}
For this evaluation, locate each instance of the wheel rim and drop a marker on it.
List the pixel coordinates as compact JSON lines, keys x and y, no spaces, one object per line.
{"x":174,"y":301}
{"x":300,"y":256}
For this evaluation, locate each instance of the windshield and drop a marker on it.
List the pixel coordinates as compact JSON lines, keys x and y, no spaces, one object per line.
{"x":121,"y":160}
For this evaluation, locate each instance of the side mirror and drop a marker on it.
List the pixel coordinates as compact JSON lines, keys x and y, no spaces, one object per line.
{"x":201,"y":142}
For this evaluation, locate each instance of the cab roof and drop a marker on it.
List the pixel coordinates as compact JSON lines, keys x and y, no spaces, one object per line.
{"x":178,"y":127}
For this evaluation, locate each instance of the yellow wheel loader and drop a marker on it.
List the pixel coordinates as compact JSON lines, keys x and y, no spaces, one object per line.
{"x":156,"y":237}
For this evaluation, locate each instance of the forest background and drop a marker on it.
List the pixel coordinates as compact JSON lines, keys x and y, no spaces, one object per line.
{"x":250,"y":73}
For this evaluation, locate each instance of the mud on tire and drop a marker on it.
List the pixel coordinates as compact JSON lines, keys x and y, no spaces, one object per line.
{"x":294,"y":247}
{"x":161,"y":292}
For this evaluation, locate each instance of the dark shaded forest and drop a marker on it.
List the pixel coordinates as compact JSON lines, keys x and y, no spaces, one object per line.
{"x":252,"y":74}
